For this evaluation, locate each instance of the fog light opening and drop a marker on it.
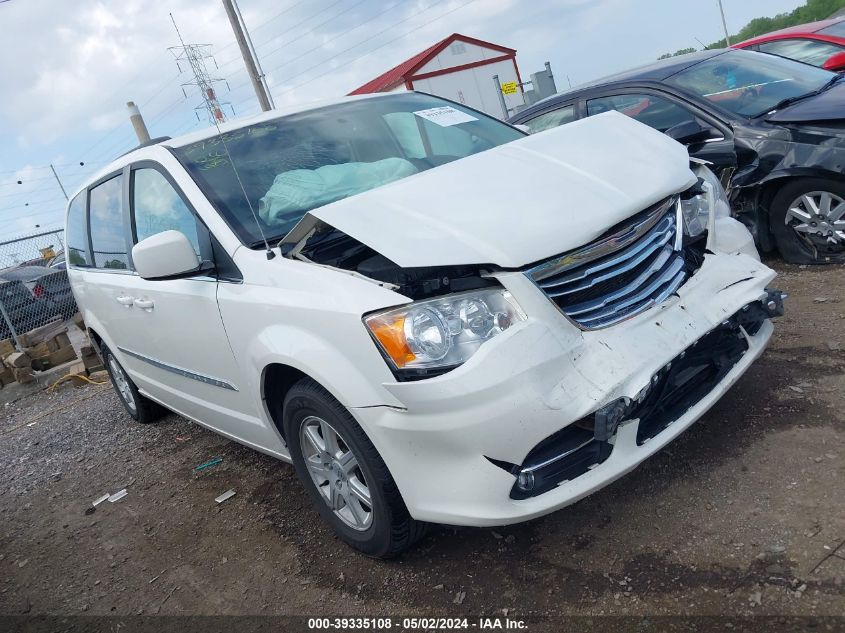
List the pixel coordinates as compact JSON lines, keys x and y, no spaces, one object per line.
{"x":525,"y":481}
{"x":607,"y":418}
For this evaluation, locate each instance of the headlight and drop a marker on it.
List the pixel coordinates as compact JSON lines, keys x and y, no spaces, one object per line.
{"x":713,"y":199}
{"x":443,"y":332}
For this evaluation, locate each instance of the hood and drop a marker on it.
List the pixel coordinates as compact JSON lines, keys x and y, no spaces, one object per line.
{"x":517,"y":203}
{"x":825,"y":106}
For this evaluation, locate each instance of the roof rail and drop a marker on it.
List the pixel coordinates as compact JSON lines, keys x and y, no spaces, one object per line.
{"x":152,"y":141}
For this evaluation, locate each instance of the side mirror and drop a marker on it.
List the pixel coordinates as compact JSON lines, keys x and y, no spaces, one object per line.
{"x":835,"y":62}
{"x":163,"y":255}
{"x":689,"y":132}
{"x":523,"y":128}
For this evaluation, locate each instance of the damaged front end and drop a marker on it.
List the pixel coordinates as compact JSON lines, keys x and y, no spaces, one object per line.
{"x":324,"y":245}
{"x":671,"y":392}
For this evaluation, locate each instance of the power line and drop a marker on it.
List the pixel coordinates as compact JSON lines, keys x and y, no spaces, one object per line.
{"x":334,"y":17}
{"x":261,"y":25}
{"x":347,"y":32}
{"x":122,"y":88}
{"x":31,"y":203}
{"x":371,"y":51}
{"x":30,"y":216}
{"x":26,"y":192}
{"x":288,"y":30}
{"x":271,"y":19}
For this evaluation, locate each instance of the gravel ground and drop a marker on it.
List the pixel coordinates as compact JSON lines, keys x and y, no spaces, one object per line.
{"x":742,"y":515}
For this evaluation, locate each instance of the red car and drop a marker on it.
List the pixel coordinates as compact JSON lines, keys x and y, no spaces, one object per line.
{"x":818,"y":43}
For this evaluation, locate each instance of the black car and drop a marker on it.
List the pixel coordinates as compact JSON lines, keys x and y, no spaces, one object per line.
{"x":773,"y":128}
{"x":32,"y":296}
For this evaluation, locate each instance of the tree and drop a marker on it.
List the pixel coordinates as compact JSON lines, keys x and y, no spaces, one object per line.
{"x":812,"y":11}
{"x":682,"y":51}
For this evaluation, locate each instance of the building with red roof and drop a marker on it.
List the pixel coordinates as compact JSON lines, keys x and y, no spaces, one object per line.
{"x":459,"y":68}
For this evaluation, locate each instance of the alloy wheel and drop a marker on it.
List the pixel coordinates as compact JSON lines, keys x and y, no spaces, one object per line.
{"x":818,"y":218}
{"x":336,"y":473}
{"x":122,"y":384}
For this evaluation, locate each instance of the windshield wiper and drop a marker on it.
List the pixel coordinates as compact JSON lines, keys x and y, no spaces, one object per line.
{"x":270,"y":240}
{"x":790,"y":100}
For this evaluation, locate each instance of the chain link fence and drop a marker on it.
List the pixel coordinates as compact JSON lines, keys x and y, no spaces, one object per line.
{"x":34,"y":286}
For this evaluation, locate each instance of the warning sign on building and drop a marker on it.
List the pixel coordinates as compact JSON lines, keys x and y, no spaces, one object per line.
{"x":509,"y":88}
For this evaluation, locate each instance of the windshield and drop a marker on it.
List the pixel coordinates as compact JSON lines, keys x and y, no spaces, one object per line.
{"x":296,"y":163}
{"x":748,"y":83}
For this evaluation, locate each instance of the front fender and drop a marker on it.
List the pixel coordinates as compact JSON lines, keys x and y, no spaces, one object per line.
{"x":799,"y":171}
{"x":354,"y":379}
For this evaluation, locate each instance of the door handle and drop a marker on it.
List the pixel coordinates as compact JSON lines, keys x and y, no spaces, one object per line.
{"x":145,"y":304}
{"x":126,"y":300}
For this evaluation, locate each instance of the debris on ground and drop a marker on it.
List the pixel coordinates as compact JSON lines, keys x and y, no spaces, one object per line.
{"x":209,"y":464}
{"x":18,"y":360}
{"x":118,"y":495}
{"x":99,"y":500}
{"x":91,"y":360}
{"x":47,"y":346}
{"x":226,"y":495}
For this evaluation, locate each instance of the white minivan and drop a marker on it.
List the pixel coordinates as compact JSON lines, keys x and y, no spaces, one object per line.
{"x":434,"y":317}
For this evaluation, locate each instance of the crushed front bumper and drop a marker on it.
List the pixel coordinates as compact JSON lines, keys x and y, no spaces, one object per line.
{"x":451,"y":449}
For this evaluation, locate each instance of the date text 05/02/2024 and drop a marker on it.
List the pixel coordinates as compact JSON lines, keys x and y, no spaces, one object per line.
{"x":423,"y":623}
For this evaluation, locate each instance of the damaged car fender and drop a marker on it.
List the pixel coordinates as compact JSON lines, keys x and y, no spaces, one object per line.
{"x":290,"y":317}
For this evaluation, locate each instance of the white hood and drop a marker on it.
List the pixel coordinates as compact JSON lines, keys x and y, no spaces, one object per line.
{"x":518,"y":203}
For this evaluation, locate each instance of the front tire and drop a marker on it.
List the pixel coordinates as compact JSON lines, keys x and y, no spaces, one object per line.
{"x":138,"y":407}
{"x":808,"y":221}
{"x":346,"y":478}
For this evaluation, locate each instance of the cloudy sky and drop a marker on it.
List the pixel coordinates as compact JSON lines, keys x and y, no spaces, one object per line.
{"x":67,"y":67}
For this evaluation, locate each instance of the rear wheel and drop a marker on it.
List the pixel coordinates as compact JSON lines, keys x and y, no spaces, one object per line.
{"x":808,"y":221}
{"x":140,"y":409}
{"x":346,"y":478}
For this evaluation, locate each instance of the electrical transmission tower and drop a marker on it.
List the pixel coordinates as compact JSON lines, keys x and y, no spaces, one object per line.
{"x":198,"y":57}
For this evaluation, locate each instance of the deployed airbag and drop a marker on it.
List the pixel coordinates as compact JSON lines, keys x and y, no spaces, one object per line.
{"x":299,"y":190}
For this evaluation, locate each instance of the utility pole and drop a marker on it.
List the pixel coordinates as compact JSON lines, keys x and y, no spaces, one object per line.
{"x":61,"y":186}
{"x":246,"y":53}
{"x":724,"y":24}
{"x":138,"y":123}
{"x":501,"y":97}
{"x":261,"y":74}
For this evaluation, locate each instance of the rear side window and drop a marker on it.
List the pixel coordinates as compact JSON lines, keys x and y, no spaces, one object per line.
{"x":108,"y":225}
{"x":807,"y":51}
{"x":837,"y":29}
{"x":657,"y":112}
{"x":77,"y":233}
{"x":158,"y":207}
{"x":555,"y":118}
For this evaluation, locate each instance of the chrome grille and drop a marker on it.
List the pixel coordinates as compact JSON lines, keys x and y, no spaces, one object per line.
{"x":635,"y":266}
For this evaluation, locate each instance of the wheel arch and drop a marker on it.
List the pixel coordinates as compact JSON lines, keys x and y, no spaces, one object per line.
{"x":761,"y":194}
{"x":774,"y":181}
{"x":276,"y":381}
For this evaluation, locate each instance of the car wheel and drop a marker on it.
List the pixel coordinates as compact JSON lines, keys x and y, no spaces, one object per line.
{"x":808,"y":221}
{"x":141,"y":409}
{"x":346,"y":478}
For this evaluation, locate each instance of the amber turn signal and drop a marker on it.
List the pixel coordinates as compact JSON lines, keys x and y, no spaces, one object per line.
{"x":389,"y":330}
